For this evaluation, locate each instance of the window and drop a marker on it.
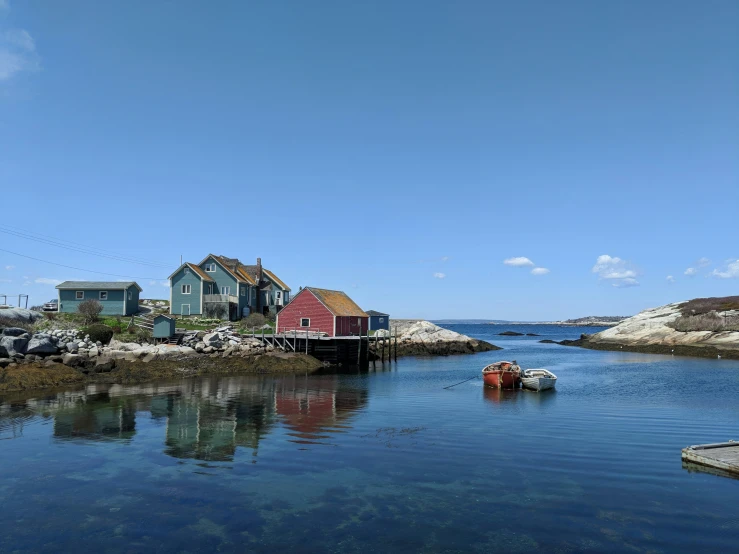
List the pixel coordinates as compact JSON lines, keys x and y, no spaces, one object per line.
{"x":210,"y":268}
{"x":382,"y":320}
{"x":186,"y":289}
{"x":187,"y":270}
{"x":243,"y":291}
{"x":130,"y":295}
{"x":103,"y":295}
{"x":287,"y":297}
{"x":305,"y":322}
{"x":226,"y":290}
{"x":277,"y":295}
{"x":79,"y":295}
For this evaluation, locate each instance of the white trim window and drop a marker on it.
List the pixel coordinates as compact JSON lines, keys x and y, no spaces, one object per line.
{"x":278,"y":294}
{"x":103,"y":295}
{"x":79,"y":295}
{"x":243,"y":291}
{"x":186,"y":289}
{"x":382,"y":320}
{"x":226,"y":290}
{"x":210,"y":268}
{"x":305,"y":322}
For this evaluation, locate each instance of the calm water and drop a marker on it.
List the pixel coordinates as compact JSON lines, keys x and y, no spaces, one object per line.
{"x":384,"y":461}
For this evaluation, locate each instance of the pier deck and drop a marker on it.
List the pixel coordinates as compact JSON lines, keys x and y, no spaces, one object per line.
{"x":722,"y":455}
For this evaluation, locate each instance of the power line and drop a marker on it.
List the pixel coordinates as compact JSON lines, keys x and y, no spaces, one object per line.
{"x":80,"y":248}
{"x":80,"y":269}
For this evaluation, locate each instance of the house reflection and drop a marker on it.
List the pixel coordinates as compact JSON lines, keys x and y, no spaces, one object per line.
{"x":97,"y":417}
{"x":206,"y":419}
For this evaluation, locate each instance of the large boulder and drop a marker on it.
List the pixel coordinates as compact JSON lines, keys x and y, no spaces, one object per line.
{"x":20,"y":315}
{"x":41,"y":344}
{"x":13,"y":346}
{"x":73,"y":360}
{"x":213,"y":339}
{"x":13,"y":332}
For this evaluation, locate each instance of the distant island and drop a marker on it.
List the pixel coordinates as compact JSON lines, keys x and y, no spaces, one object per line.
{"x":589,"y":321}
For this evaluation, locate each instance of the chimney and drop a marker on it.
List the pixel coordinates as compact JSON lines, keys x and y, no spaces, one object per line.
{"x":259,"y":270}
{"x":259,"y":285}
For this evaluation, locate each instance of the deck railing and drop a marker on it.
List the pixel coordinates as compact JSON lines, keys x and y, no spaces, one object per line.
{"x":220,"y":298}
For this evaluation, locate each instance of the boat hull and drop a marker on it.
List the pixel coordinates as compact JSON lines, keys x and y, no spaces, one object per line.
{"x":538,"y":379}
{"x":538,"y":383}
{"x":500,"y":379}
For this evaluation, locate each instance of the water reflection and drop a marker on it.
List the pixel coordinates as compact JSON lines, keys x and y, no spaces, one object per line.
{"x":206,"y":419}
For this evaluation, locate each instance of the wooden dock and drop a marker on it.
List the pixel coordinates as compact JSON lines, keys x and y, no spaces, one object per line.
{"x":723,"y":456}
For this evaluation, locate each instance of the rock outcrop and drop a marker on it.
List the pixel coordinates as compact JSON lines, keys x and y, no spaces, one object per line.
{"x":20,"y":315}
{"x":423,"y":338}
{"x":649,"y":331}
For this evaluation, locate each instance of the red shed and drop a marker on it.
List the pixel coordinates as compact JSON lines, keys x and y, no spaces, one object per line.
{"x":327,"y":311}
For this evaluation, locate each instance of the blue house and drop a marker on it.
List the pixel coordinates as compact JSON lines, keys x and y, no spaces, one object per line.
{"x":378,"y":320}
{"x":117,"y":298}
{"x":164,"y":326}
{"x":224,"y":288}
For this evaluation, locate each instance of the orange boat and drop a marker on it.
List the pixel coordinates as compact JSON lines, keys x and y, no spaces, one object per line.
{"x":502,"y":375}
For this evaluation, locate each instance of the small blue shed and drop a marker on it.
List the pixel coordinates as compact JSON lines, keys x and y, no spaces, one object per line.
{"x":117,"y":298}
{"x":378,"y":320}
{"x":164,"y":326}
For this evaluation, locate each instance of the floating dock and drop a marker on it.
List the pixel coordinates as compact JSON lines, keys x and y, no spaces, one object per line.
{"x":723,"y":456}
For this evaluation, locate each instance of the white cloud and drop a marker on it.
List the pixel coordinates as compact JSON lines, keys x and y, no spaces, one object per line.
{"x":440,"y":275}
{"x":703,"y":262}
{"x":539,"y":271}
{"x":17,"y":53}
{"x":691,"y":271}
{"x":10,"y":267}
{"x":731,"y":271}
{"x":625,"y":283}
{"x":613,"y":268}
{"x":20,"y":38}
{"x":47,"y":281}
{"x":670,"y":279}
{"x":520,"y":261}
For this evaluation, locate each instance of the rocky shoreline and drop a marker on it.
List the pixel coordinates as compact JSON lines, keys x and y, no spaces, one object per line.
{"x":62,"y":357}
{"x":652,"y":332}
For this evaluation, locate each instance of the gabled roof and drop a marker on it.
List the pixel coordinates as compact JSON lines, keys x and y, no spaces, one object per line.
{"x":337,"y":302}
{"x":275,"y":279}
{"x":249,"y":279}
{"x":229,"y":264}
{"x":374,"y":313}
{"x":98,"y":285}
{"x":197,"y":270}
{"x":165,"y":315}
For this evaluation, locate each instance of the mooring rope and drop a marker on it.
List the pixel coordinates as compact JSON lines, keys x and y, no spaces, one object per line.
{"x":455,"y":384}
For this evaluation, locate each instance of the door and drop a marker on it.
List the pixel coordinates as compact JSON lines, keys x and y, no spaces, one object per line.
{"x":185,"y":309}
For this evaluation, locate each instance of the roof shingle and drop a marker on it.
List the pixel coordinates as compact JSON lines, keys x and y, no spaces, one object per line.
{"x":338,"y":302}
{"x":98,"y":285}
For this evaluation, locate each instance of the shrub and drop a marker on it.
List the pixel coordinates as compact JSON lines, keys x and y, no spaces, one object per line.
{"x":90,"y":310}
{"x":37,"y":308}
{"x":215,"y":310}
{"x":699,"y":306}
{"x":99,"y":332}
{"x":254,"y":320}
{"x":711,"y":321}
{"x":51,"y":316}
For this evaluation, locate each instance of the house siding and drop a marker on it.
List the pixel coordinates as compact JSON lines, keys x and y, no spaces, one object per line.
{"x":305,"y":304}
{"x":178,"y":299}
{"x":375,"y":323}
{"x":351,"y":326}
{"x":132,"y":306}
{"x":114,"y":305}
{"x":163,"y":327}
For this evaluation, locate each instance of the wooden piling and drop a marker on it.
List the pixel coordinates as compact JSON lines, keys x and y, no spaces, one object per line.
{"x":396,"y":345}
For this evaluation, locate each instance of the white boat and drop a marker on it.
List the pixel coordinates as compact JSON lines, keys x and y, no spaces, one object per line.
{"x":538,"y":379}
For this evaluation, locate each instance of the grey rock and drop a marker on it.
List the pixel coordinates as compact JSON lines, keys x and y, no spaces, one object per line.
{"x":72,"y":360}
{"x":21,"y":315}
{"x":13,"y":331}
{"x":72,"y":347}
{"x":41,"y":344}
{"x":104,"y":364}
{"x":5,"y":362}
{"x":32,"y":358}
{"x":208,"y":349}
{"x":199,"y":346}
{"x":11,"y":346}
{"x":93,"y":352}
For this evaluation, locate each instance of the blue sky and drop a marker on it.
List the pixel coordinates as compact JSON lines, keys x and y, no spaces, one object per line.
{"x":400,"y":151}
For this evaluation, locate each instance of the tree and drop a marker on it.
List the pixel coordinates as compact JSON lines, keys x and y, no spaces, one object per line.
{"x":90,"y":310}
